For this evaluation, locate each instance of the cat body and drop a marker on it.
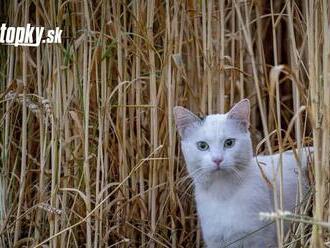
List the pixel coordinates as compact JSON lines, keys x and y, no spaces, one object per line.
{"x":230,"y":190}
{"x":228,"y":215}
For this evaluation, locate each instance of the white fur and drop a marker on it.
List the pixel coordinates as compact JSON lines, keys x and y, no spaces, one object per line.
{"x":229,"y":199}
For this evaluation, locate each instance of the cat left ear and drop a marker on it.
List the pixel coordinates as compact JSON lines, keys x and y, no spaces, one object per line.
{"x":241,"y":112}
{"x":184,"y":118}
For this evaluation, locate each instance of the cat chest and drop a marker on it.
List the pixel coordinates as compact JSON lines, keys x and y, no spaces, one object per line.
{"x":224,"y":220}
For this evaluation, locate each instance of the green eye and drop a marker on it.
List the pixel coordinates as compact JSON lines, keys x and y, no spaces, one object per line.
{"x":202,"y":145}
{"x":229,"y":143}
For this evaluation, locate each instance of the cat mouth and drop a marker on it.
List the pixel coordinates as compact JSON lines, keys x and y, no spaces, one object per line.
{"x":220,"y":168}
{"x":216,"y":168}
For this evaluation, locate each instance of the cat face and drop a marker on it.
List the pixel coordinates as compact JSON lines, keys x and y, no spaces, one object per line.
{"x":218,"y":144}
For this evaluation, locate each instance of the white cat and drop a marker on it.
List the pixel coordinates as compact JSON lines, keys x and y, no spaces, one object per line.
{"x":229,"y":188}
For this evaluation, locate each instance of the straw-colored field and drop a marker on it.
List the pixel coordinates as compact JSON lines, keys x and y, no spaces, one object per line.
{"x":89,"y":155}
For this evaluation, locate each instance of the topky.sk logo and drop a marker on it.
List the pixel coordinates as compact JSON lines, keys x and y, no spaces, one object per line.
{"x":29,"y":35}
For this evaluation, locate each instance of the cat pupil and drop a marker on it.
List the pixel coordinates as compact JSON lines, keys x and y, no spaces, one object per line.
{"x":229,"y":143}
{"x":202,"y":145}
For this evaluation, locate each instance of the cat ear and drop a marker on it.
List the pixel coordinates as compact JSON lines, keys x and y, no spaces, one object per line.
{"x":241,"y":112}
{"x":184,"y":118}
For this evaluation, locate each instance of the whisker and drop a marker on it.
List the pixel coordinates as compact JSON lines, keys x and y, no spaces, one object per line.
{"x":189,"y":176}
{"x":236,"y":173}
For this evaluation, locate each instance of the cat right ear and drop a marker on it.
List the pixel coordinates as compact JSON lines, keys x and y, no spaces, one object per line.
{"x":184,"y":119}
{"x":241,"y":113}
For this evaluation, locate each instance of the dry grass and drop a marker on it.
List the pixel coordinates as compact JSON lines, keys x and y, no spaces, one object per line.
{"x":89,"y":152}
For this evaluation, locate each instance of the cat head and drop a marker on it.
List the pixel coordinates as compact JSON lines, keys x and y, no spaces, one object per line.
{"x":217,"y":144}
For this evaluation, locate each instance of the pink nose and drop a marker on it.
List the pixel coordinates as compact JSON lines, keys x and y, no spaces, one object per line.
{"x":217,"y":161}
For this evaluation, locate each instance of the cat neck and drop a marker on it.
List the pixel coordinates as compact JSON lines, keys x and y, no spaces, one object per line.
{"x":223,"y":185}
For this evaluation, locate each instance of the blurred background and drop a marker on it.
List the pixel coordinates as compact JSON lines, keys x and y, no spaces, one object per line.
{"x":89,"y":155}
